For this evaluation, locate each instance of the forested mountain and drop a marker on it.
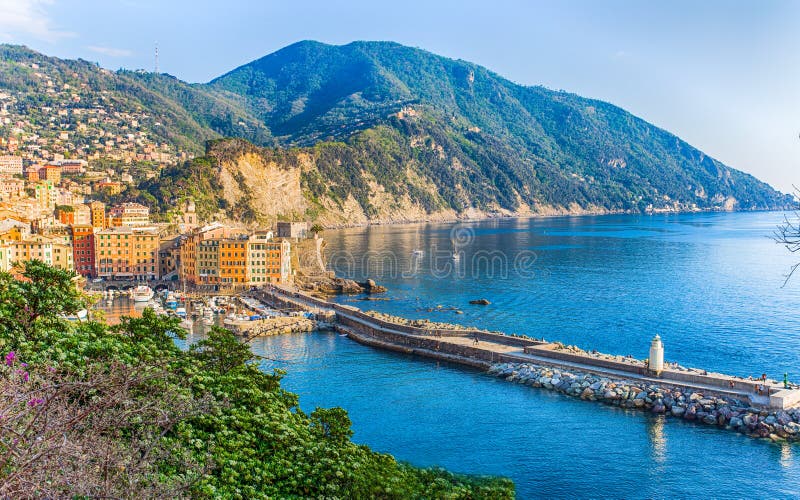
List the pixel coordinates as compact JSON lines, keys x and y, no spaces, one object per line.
{"x":379,"y":131}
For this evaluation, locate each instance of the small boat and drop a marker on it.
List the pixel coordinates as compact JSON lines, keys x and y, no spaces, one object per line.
{"x":78,"y":316}
{"x":170,"y":302}
{"x":418,"y":253}
{"x":181,"y":312}
{"x":142,"y":293}
{"x":456,"y":256}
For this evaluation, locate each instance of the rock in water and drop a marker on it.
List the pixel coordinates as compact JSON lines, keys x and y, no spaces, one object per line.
{"x":480,"y":302}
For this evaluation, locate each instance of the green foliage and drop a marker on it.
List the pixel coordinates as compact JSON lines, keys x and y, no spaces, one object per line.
{"x":251,"y":440}
{"x":42,"y":295}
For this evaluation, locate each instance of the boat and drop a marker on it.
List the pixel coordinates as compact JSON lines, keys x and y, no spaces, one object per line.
{"x":181,"y":312}
{"x":142,"y":293}
{"x":417,"y":252}
{"x":170,"y":302}
{"x":78,"y":316}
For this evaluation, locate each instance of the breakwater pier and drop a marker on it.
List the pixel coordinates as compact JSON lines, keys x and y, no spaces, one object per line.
{"x":761,"y":408}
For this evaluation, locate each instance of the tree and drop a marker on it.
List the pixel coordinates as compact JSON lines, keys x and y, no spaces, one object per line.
{"x":788,"y":234}
{"x":317,"y":229}
{"x":42,"y":294}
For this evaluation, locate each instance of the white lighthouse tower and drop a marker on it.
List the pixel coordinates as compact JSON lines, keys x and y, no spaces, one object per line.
{"x":656,"y":355}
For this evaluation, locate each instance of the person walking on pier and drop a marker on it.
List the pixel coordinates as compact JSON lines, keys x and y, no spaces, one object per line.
{"x":475,"y":339}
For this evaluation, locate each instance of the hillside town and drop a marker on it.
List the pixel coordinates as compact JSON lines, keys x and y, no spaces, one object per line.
{"x":45,"y":214}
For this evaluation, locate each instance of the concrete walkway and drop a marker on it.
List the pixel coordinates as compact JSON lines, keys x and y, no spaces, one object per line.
{"x":516,"y":354}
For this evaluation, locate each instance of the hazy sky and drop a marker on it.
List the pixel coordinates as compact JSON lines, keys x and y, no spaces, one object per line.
{"x":724,"y":75}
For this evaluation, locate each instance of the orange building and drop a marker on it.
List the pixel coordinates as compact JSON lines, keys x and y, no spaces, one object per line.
{"x":65,"y":214}
{"x":127,"y":252}
{"x":233,"y":261}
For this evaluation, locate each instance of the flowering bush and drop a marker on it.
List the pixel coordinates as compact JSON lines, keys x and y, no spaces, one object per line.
{"x":121,"y":411}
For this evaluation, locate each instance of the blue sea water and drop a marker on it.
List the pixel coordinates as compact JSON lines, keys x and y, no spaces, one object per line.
{"x":709,"y":284}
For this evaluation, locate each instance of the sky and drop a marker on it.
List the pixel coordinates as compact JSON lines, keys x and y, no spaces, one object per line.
{"x":722,"y":74}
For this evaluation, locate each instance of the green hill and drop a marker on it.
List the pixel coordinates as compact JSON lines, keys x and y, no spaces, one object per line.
{"x":379,"y":131}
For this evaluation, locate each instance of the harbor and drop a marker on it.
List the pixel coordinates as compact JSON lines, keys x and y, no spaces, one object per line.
{"x":243,"y":315}
{"x":762,"y":408}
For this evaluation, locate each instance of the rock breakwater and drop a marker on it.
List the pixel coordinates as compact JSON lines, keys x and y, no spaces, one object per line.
{"x":672,"y":401}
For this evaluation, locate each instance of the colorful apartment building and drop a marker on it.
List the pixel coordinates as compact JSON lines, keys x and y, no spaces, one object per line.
{"x":109,"y":187}
{"x":215,"y":255}
{"x":11,"y":187}
{"x":11,"y":165}
{"x":73,"y":166}
{"x":50,"y":173}
{"x":45,"y":194}
{"x":36,"y":247}
{"x":65,"y":214}
{"x":268,"y":259}
{"x":200,"y":254}
{"x":62,"y":250}
{"x":98,"y":214}
{"x":207,"y":259}
{"x":169,"y":258}
{"x":129,"y":214}
{"x":233,"y":260}
{"x":83,"y":249}
{"x":127,"y":252}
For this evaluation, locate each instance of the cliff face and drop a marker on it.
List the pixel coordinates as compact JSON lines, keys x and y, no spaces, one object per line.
{"x":265,"y":185}
{"x":379,"y":132}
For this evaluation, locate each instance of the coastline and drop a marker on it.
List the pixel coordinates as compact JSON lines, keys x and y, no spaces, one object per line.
{"x":543,"y":215}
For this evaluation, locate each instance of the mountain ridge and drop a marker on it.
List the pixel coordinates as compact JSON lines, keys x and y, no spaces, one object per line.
{"x":385,"y":129}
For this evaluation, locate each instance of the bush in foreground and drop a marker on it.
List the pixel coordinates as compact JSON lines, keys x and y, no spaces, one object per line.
{"x":88,"y":409}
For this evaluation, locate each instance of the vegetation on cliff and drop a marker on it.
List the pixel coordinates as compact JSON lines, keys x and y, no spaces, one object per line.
{"x":381,"y":131}
{"x":93,"y":410}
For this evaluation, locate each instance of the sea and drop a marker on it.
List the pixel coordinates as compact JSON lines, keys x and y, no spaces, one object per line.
{"x":712,"y":285}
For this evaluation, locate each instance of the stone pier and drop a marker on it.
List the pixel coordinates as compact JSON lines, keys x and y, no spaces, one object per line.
{"x":483,"y":349}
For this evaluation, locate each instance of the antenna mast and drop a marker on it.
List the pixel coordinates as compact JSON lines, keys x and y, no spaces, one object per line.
{"x":156,"y":70}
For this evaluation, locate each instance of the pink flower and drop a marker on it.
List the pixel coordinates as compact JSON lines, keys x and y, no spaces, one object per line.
{"x":35,"y":401}
{"x":10,"y":357}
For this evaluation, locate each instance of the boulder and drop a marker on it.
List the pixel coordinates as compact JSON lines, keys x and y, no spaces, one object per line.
{"x":710,"y":419}
{"x":480,"y":302}
{"x":678,"y":411}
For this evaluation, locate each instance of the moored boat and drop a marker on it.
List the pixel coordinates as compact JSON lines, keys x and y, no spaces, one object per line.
{"x":142,"y":293}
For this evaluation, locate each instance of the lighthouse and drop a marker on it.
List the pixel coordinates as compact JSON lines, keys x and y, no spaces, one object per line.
{"x":656,"y":355}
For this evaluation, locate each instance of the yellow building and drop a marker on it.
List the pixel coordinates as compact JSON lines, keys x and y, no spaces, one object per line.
{"x":50,"y":173}
{"x":45,"y":194}
{"x":97,"y":211}
{"x":127,"y":252}
{"x":63,"y":255}
{"x":35,"y":247}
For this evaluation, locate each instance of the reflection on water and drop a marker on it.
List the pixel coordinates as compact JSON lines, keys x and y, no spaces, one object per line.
{"x":112,"y":311}
{"x":658,"y":441}
{"x":787,"y":455}
{"x":121,"y":306}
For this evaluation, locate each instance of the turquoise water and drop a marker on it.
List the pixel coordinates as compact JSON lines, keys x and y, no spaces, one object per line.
{"x":710,"y":284}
